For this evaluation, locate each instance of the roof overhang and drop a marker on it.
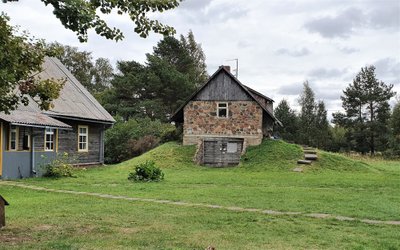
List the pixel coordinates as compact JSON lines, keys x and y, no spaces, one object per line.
{"x":33,"y":119}
{"x":81,"y":119}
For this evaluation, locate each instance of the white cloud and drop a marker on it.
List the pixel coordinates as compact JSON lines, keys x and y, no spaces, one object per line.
{"x":269,"y":38}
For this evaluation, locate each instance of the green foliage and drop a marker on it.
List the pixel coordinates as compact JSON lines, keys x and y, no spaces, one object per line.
{"x":313,"y":123}
{"x":307,"y":114}
{"x":21,"y":57}
{"x":286,"y":115}
{"x":159,"y":87}
{"x":147,"y":171}
{"x":338,"y":141}
{"x":367,"y":111}
{"x":59,"y":167}
{"x":394,"y":142}
{"x":95,"y":76}
{"x":134,"y":137}
{"x":81,"y":16}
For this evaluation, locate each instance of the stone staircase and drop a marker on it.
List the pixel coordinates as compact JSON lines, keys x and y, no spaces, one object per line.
{"x":310,"y":155}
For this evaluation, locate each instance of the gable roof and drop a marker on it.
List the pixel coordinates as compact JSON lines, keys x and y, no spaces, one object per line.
{"x":178,"y":115}
{"x":74,"y":101}
{"x":4,"y":200}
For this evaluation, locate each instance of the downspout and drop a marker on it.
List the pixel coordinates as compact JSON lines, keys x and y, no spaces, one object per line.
{"x":33,"y":171}
{"x":101,"y":151}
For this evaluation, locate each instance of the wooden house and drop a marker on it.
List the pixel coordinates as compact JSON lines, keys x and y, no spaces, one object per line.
{"x":223,"y":117}
{"x":30,"y":137}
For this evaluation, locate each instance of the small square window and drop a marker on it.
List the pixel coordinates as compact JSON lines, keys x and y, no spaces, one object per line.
{"x":222,"y":109}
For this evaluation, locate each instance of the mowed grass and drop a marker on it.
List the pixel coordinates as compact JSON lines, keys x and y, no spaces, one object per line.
{"x":42,"y":220}
{"x":335,"y":184}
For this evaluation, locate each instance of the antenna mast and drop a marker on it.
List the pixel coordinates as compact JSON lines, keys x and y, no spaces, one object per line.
{"x":237,"y":67}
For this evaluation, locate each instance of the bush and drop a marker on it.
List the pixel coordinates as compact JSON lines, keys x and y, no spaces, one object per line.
{"x":134,"y":137}
{"x":59,"y":167}
{"x":146,"y":171}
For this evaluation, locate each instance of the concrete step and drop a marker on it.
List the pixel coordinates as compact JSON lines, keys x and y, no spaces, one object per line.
{"x":312,"y":157}
{"x":306,"y":162}
{"x":309,"y":151}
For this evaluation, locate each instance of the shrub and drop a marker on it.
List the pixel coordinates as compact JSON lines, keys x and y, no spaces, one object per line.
{"x":135,"y":137}
{"x":59,"y":167}
{"x":146,"y":171}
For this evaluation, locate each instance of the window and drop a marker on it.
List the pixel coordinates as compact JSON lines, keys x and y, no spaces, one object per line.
{"x":49,"y":139}
{"x":222,"y":109}
{"x":26,"y":143}
{"x":83,"y":135}
{"x":13,"y":138}
{"x":232,"y":147}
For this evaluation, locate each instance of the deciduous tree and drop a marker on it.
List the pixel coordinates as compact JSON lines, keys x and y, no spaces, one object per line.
{"x":21,"y":58}
{"x":289,"y":130}
{"x":307,"y":115}
{"x":82,"y":15}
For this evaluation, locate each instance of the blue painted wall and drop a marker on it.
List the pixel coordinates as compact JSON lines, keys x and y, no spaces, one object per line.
{"x":18,"y":164}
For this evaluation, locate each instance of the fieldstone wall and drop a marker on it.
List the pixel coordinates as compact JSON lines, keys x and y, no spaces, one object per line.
{"x":244,"y":121}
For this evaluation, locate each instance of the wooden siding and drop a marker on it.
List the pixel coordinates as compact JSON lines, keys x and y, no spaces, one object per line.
{"x":222,"y":88}
{"x":68,"y":142}
{"x":216,"y":151}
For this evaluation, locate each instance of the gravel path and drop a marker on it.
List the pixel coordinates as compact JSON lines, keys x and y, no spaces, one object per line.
{"x":203,"y":205}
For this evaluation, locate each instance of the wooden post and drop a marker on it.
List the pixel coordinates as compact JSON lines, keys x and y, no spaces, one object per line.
{"x":3,"y":203}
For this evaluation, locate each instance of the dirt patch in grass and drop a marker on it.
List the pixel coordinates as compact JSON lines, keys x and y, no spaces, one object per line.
{"x":14,"y":236}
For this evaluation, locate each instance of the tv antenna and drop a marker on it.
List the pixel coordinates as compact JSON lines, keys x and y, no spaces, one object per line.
{"x":237,"y":66}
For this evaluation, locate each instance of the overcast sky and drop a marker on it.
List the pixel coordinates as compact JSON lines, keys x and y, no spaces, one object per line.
{"x":279,"y":43}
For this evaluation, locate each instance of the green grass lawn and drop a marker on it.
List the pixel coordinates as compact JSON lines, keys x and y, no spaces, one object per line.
{"x":335,"y":184}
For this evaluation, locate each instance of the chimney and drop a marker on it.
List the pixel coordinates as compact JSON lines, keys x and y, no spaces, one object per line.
{"x":226,"y":67}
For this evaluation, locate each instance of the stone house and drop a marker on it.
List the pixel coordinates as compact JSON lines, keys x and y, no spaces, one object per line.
{"x":30,"y":137}
{"x":223,"y":117}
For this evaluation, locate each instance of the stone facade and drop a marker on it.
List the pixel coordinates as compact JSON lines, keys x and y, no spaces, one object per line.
{"x":244,"y":121}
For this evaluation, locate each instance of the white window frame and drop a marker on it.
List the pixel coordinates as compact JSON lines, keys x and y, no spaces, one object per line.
{"x":84,"y":135}
{"x":51,"y":132}
{"x":13,"y":130}
{"x":221,"y":108}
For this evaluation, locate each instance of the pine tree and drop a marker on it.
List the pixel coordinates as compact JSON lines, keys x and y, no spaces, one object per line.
{"x":367,"y":111}
{"x":395,"y":131}
{"x":322,"y":128}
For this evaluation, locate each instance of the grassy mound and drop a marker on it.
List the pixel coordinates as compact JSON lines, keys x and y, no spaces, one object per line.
{"x":334,"y":161}
{"x":167,"y":155}
{"x":270,"y":155}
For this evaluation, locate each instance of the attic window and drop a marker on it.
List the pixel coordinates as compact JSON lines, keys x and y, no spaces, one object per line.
{"x":222,"y":109}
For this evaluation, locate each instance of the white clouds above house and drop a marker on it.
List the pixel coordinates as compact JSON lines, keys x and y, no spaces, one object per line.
{"x":279,"y":43}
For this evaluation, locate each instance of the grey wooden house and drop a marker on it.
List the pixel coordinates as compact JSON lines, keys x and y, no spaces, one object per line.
{"x":223,"y":117}
{"x":30,"y":137}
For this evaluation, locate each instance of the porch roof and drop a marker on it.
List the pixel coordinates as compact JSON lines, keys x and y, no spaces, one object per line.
{"x":32,"y":119}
